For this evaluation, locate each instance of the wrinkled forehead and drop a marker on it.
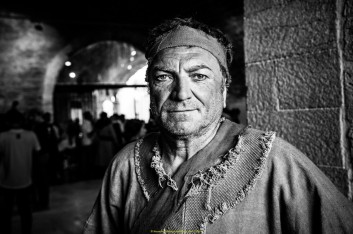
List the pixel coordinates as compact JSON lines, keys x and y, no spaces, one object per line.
{"x":185,"y":57}
{"x":185,"y":36}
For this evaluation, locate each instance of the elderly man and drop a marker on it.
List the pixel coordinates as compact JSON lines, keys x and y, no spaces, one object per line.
{"x":202,"y":173}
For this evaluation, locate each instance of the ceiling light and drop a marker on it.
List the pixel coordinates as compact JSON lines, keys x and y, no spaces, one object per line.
{"x":72,"y":75}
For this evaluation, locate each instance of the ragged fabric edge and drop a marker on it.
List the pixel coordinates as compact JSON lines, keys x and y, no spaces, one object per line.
{"x":157,"y":165}
{"x":213,"y":175}
{"x":266,"y":144}
{"x":138,"y":169}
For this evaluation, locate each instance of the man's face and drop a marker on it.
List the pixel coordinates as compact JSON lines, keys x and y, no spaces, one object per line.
{"x":186,"y":87}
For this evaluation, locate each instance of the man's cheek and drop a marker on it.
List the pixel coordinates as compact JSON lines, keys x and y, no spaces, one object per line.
{"x":154,"y":109}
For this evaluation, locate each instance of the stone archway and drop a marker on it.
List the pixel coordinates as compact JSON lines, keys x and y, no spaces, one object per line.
{"x":50,"y":78}
{"x":131,"y":36}
{"x":92,"y":75}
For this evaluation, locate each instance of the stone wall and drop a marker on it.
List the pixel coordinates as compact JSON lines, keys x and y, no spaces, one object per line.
{"x":33,"y":53}
{"x":26,"y":49}
{"x":298,"y":78}
{"x":346,"y":33}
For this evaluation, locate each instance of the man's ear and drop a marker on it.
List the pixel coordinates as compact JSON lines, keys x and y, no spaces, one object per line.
{"x":224,"y":97}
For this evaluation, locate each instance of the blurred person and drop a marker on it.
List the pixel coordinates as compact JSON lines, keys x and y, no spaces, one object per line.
{"x":74,"y":131}
{"x":17,"y":149}
{"x":118,"y":128}
{"x":122,"y":121}
{"x":134,"y":129}
{"x":86,"y":152}
{"x":13,"y":109}
{"x":51,"y":144}
{"x":47,"y":165}
{"x":105,"y":143}
{"x":67,"y":153}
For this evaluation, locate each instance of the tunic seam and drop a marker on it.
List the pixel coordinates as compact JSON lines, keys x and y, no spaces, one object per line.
{"x":266,"y":141}
{"x":138,"y":169}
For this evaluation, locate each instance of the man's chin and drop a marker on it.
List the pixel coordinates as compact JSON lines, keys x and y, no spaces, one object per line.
{"x":181,"y":130}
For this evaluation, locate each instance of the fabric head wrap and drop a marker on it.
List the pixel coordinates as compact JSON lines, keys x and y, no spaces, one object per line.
{"x":186,"y":36}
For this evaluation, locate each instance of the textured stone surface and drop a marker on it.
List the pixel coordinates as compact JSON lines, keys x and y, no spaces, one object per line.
{"x":348,"y":76}
{"x":310,"y":81}
{"x":253,"y":6}
{"x":348,"y":30}
{"x":346,"y":23}
{"x":293,"y":62}
{"x":24,"y":54}
{"x":338,"y":176}
{"x":347,"y":44}
{"x":288,"y":30}
{"x":315,"y":132}
{"x":262,"y":94}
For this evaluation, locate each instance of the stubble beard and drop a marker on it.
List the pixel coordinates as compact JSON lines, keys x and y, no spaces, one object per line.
{"x":170,"y":129}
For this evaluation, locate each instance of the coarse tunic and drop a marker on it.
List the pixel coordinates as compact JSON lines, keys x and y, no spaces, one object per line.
{"x":243,"y":181}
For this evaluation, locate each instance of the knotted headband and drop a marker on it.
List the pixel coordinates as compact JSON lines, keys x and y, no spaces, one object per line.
{"x":186,"y":36}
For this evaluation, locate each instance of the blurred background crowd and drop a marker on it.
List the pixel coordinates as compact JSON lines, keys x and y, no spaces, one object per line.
{"x":72,"y":151}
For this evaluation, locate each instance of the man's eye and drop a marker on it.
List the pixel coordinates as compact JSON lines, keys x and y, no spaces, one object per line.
{"x":162,"y":77}
{"x":199,"y":77}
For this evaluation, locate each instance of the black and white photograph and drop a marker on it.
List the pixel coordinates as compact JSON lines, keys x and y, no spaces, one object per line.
{"x":176,"y":117}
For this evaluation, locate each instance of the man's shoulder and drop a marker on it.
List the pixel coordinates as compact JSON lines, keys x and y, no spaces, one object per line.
{"x":285,"y":158}
{"x":278,"y":149}
{"x":126,"y":156}
{"x":277,"y":142}
{"x":282,"y":149}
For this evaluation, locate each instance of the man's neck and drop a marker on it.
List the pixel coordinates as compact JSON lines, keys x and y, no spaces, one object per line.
{"x":176,"y":150}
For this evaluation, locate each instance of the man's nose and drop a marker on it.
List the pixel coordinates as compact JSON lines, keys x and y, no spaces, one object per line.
{"x":182,"y":88}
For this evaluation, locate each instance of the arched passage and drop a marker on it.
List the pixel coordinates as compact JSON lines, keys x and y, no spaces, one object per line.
{"x":130,"y":35}
{"x":93,"y":78}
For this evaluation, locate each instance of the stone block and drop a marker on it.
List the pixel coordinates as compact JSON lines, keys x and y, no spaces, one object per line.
{"x":348,"y":39}
{"x":348,"y":90}
{"x":254,"y":6}
{"x":338,"y":176}
{"x":315,"y":132}
{"x":310,"y":81}
{"x":260,"y":82}
{"x":286,"y":31}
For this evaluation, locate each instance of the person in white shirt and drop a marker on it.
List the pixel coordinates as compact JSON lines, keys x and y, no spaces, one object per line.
{"x":17,"y":147}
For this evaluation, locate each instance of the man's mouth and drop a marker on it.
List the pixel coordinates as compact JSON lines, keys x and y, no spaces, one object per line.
{"x":184,"y":110}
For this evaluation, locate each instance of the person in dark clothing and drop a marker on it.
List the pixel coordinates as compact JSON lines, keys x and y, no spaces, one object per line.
{"x":118,"y":131}
{"x":47,"y":164}
{"x":86,"y":152}
{"x":134,"y":129}
{"x":17,"y":150}
{"x":105,"y":143}
{"x":13,"y":111}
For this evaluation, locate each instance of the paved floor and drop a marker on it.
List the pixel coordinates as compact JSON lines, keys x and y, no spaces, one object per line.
{"x":70,"y":204}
